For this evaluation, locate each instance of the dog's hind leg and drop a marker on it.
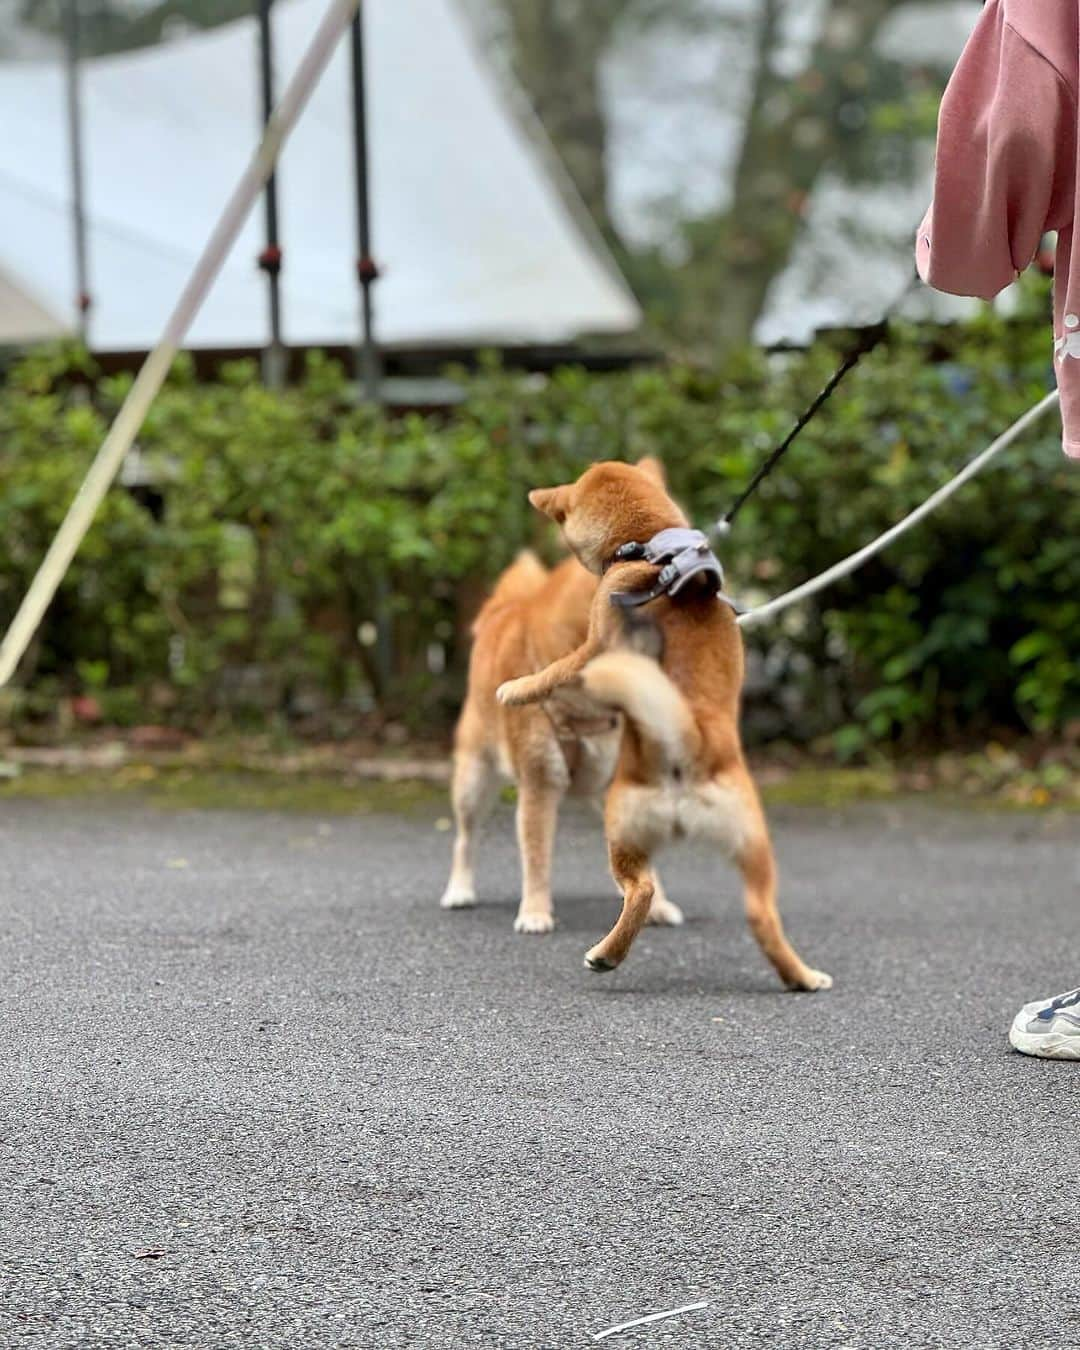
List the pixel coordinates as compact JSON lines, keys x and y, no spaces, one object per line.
{"x":754,"y":856}
{"x":472,"y":792}
{"x":537,"y":816}
{"x":636,"y":879}
{"x":663,"y":911}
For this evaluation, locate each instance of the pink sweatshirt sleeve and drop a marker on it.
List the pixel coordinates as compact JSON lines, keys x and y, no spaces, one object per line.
{"x":997,"y":182}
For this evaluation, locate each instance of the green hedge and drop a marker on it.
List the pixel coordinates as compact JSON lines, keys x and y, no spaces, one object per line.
{"x":292,"y":526}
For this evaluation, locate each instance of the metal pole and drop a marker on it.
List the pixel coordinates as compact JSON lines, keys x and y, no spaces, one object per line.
{"x":75,"y":148}
{"x":368,"y":366}
{"x":274,"y":359}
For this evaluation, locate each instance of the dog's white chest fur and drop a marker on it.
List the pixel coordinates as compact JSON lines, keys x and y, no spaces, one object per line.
{"x":680,"y":810}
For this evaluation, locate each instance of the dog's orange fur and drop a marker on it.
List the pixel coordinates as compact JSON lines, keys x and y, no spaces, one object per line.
{"x":532,"y":618}
{"x":681,"y":768}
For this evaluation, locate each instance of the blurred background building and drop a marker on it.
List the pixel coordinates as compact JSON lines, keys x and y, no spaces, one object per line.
{"x":476,"y":243}
{"x":542,"y":171}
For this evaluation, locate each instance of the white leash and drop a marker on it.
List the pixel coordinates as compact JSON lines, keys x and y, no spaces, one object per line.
{"x":154,"y":369}
{"x":856,"y":560}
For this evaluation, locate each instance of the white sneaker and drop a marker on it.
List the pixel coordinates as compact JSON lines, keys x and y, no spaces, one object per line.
{"x":1050,"y":1029}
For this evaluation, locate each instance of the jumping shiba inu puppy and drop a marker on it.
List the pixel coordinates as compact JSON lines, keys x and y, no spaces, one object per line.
{"x":680,"y":769}
{"x":567,"y":745}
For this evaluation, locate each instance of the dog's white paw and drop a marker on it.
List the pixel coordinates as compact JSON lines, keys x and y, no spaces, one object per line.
{"x":597,"y":962}
{"x":663,"y":912}
{"x":512,"y":693}
{"x":458,"y":897}
{"x":534,"y":922}
{"x":815,"y":980}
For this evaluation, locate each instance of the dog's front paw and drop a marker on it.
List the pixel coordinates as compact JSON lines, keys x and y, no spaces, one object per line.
{"x":512,"y":693}
{"x":812,"y":982}
{"x":534,"y":921}
{"x":597,"y":961}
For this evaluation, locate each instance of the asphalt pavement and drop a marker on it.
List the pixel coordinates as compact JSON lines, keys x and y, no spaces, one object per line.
{"x":256,"y":1089}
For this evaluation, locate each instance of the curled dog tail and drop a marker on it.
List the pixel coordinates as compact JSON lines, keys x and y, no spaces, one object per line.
{"x":652,"y":704}
{"x":524,"y":577}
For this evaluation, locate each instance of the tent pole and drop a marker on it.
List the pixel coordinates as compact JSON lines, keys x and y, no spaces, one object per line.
{"x":274,"y":360}
{"x":75,"y":147}
{"x":368,"y":365}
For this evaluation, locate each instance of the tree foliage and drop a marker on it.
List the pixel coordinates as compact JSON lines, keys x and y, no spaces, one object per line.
{"x":113,"y":26}
{"x":848,"y":110}
{"x":255,"y":581}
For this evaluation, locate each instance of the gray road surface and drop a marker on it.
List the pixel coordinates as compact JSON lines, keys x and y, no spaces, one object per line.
{"x":254,"y":1045}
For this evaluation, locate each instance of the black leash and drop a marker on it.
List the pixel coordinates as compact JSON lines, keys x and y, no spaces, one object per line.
{"x":868,"y":339}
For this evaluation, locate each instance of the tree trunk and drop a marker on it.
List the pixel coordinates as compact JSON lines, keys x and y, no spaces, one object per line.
{"x":793,"y":132}
{"x":557,"y":48}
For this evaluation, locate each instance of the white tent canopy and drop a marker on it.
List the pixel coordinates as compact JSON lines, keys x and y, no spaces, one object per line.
{"x":476,"y":241}
{"x":22,"y":317}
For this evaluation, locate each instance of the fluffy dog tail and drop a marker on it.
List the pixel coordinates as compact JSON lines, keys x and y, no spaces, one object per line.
{"x":653,"y":705}
{"x":524,"y":577}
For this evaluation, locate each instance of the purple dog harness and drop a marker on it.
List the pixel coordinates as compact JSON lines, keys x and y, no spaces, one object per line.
{"x":681,"y":555}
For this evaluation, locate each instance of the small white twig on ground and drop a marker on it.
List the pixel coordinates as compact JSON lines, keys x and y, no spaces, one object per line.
{"x":652,"y":1317}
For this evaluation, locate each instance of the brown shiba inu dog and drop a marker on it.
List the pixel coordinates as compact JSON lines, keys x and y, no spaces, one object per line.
{"x":568,"y":744}
{"x":681,"y":769}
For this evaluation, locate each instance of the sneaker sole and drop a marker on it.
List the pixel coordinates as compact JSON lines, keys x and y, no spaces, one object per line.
{"x":1051,"y":1045}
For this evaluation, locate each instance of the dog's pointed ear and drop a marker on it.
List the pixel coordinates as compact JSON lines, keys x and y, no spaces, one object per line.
{"x":554,"y":502}
{"x":651,"y":465}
